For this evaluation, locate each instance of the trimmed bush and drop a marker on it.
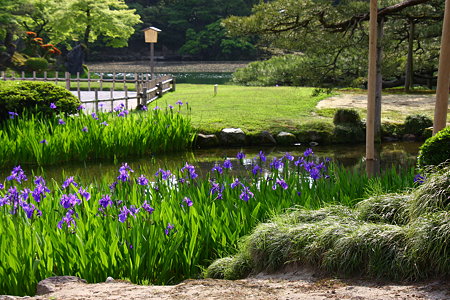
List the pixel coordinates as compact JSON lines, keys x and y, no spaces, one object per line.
{"x":348,"y":126}
{"x":416,"y":124}
{"x":37,"y":64}
{"x":436,"y":149}
{"x":35,"y":97}
{"x":346,"y":116}
{"x":392,"y":129}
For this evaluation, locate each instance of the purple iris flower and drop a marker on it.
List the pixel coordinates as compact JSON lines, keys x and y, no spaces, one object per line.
{"x":119,"y":107}
{"x":52,"y":105}
{"x":190,"y":169}
{"x":85,"y":194}
{"x":113,"y":185}
{"x":123,"y":113}
{"x":314,"y":173}
{"x":216,"y":189}
{"x":188,"y":201}
{"x":179,"y":102}
{"x":246,"y":194}
{"x":156,"y":108}
{"x":12,"y":114}
{"x":256,"y":169}
{"x":68,"y":182}
{"x":227,"y":164}
{"x":44,"y":141}
{"x":104,"y":123}
{"x":68,"y":220}
{"x":280,"y":182}
{"x":69,"y":200}
{"x":24,"y":194}
{"x":142,"y":180}
{"x":2,"y":186}
{"x":240,"y":155}
{"x":144,"y":108}
{"x":170,"y":106}
{"x":105,"y":201}
{"x":168,"y":228}
{"x":276,"y":164}
{"x":147,"y":207}
{"x":235,"y":183}
{"x":94,"y":116}
{"x":39,"y":192}
{"x":81,"y":107}
{"x":308,"y":152}
{"x":84,"y":129}
{"x":165,"y":174}
{"x":419,"y":179}
{"x":299,"y":162}
{"x":17,"y":174}
{"x":217,"y":168}
{"x":30,"y":209}
{"x":288,"y":156}
{"x":61,"y":122}
{"x":262,"y":156}
{"x":38,"y":180}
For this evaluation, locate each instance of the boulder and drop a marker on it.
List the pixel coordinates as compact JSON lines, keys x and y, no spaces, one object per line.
{"x":232,"y":137}
{"x":207,"y":140}
{"x":286,"y":139}
{"x":266,"y":138}
{"x":53,"y":284}
{"x":408,"y":137}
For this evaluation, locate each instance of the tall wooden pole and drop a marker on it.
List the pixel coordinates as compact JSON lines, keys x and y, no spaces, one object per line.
{"x":152,"y":62}
{"x":440,"y":110}
{"x":372,"y":80}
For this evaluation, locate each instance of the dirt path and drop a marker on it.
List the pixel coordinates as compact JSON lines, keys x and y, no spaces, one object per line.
{"x":292,"y":285}
{"x":407,"y":104}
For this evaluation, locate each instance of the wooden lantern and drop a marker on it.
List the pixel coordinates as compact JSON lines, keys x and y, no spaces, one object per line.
{"x":151,"y":34}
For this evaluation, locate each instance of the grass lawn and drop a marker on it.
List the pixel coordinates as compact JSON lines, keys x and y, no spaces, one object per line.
{"x":252,"y":109}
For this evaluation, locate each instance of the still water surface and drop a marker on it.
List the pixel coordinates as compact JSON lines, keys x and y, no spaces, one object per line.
{"x":400,"y":155}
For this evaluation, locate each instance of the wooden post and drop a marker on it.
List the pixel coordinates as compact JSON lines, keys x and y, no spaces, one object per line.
{"x":114,"y":81}
{"x":215,"y":89}
{"x":23,"y":75}
{"x":372,"y":80}
{"x":126,"y":97}
{"x":68,"y":81}
{"x":174,"y":84}
{"x":124,"y":81}
{"x":89,"y":81}
{"x":111,"y":92}
{"x":78,"y":82}
{"x":152,"y":61}
{"x":96,"y":100}
{"x":440,"y":110}
{"x":144,"y":96}
{"x":34,"y":75}
{"x":136,"y":82}
{"x":45,"y":75}
{"x":56,"y":77}
{"x":101,"y":81}
{"x":3,"y":76}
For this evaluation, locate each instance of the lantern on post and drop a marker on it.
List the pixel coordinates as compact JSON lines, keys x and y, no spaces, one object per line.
{"x":151,"y":36}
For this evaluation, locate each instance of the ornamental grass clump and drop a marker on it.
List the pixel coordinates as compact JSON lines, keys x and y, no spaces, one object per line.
{"x":30,"y":139}
{"x":393,"y":236}
{"x":165,"y":227}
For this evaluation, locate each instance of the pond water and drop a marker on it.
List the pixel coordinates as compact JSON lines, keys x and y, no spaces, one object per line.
{"x":181,"y":77}
{"x":400,"y":155}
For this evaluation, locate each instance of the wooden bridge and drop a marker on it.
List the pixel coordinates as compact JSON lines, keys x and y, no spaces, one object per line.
{"x":97,"y":95}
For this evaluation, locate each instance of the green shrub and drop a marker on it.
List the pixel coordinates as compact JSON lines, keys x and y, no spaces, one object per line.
{"x":37,"y":64}
{"x":35,"y":97}
{"x":436,"y":149}
{"x":416,"y":124}
{"x":392,"y":129}
{"x":348,"y":126}
{"x":346,"y":116}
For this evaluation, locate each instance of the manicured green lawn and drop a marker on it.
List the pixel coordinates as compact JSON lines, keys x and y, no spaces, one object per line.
{"x":252,"y":109}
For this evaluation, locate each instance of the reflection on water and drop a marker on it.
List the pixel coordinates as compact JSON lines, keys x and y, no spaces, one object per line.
{"x":400,"y":155}
{"x":181,"y":77}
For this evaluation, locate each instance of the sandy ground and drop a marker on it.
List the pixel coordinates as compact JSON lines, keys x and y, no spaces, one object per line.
{"x":407,"y":104}
{"x":291,"y":285}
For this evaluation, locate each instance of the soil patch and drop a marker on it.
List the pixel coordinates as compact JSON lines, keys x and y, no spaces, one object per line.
{"x":289,"y":285}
